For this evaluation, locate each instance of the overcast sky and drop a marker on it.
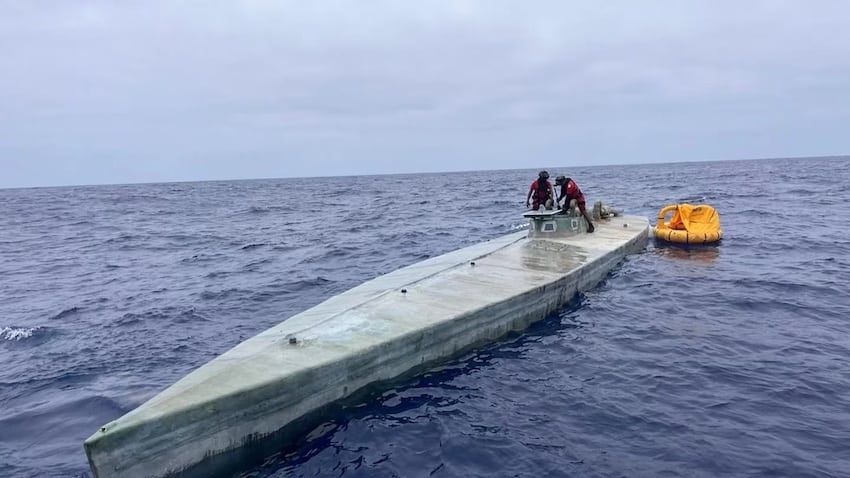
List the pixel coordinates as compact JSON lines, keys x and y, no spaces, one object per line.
{"x":135,"y":91}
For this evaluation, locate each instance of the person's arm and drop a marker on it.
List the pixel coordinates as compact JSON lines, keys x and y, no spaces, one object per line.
{"x":528,"y":199}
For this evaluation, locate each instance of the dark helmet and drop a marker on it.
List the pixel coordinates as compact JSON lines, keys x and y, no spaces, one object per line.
{"x":560,"y":180}
{"x":543,"y":175}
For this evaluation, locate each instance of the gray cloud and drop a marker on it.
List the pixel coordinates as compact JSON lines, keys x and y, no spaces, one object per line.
{"x":95,"y":92}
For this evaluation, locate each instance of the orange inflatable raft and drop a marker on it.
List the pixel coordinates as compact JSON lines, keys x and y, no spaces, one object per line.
{"x":690,"y":224}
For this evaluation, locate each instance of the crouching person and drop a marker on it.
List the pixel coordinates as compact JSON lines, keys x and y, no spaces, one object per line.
{"x":573,"y":198}
{"x":541,"y":192}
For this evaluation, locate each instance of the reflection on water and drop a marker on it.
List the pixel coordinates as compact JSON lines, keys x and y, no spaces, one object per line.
{"x":697,"y":254}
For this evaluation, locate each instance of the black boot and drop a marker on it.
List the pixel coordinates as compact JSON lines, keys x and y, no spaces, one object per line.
{"x":590,"y":227}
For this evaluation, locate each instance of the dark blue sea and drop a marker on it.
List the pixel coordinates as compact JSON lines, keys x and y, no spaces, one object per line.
{"x":731,"y":360}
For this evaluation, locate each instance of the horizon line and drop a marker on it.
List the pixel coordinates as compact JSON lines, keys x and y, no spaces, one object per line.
{"x":458,"y":171}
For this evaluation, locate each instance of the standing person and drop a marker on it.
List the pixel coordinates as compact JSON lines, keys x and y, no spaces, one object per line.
{"x":571,"y":192}
{"x":542,"y":192}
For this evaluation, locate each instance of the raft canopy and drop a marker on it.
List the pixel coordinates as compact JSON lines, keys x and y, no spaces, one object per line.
{"x":690,"y":224}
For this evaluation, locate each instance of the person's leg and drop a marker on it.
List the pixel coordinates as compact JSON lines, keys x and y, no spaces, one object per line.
{"x":571,"y":207}
{"x":549,"y":204}
{"x":535,"y":205}
{"x":583,"y":208}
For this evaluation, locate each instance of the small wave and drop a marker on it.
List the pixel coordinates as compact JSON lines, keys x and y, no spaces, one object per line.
{"x":757,"y":212}
{"x":218,"y":274}
{"x":306,"y":284}
{"x":160,"y":316}
{"x":137,"y":197}
{"x":122,"y":238}
{"x":803,"y":192}
{"x":280,"y":248}
{"x":253,"y":246}
{"x":190,"y":315}
{"x":128,"y":319}
{"x":330,"y":253}
{"x":201,"y":258}
{"x":263,"y":209}
{"x":65,"y":313}
{"x":50,"y":416}
{"x":359,"y":228}
{"x":252,"y":266}
{"x":221,"y":294}
{"x":17,"y":333}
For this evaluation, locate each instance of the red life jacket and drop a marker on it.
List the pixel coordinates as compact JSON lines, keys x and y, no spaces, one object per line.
{"x":541,"y":190}
{"x":570,"y":191}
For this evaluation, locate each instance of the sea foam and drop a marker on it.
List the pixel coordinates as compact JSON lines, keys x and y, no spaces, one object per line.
{"x":17,"y":333}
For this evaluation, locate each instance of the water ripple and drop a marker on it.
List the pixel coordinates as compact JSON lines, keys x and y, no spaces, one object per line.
{"x":696,"y":362}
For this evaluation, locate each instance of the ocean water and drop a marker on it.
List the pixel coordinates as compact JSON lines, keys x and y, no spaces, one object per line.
{"x":730,"y":360}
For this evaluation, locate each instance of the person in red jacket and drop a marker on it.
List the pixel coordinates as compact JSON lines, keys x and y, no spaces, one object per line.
{"x":571,"y":192}
{"x":542,"y":192}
